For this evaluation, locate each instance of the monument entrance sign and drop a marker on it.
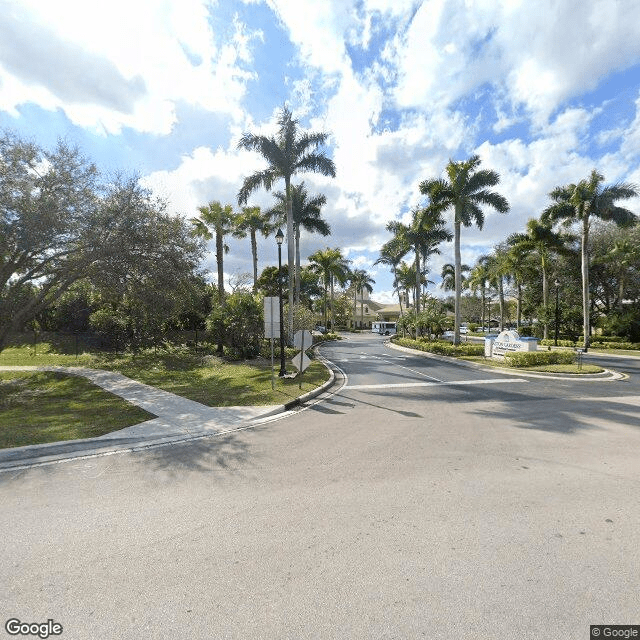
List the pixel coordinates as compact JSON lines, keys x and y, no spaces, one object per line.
{"x":497,"y":346}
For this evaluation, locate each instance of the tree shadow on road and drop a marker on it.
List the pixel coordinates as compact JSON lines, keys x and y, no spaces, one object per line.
{"x":522,"y":409}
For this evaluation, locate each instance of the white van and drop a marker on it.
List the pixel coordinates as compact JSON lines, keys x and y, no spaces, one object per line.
{"x":384,"y":328}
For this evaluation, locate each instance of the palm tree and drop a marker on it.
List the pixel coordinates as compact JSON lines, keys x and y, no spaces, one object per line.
{"x":624,"y":254}
{"x":330,"y":264}
{"x":220,"y":219}
{"x":306,"y":214}
{"x":465,"y":189}
{"x":249,"y":222}
{"x":448,"y":275}
{"x":578,"y":203}
{"x":405,"y":278}
{"x":423,"y":235}
{"x":360,"y":280}
{"x":543,"y":240}
{"x":478,"y":279}
{"x":498,"y":270}
{"x":288,"y":153}
{"x":516,"y":258}
{"x":391,"y":254}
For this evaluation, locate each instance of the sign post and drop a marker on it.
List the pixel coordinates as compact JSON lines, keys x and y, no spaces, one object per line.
{"x":302,"y":340}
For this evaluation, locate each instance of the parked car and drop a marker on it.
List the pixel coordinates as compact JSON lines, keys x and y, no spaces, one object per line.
{"x":321,"y":329}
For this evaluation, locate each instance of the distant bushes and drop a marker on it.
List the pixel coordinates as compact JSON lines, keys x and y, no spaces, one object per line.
{"x":561,"y":343}
{"x":537,"y":358}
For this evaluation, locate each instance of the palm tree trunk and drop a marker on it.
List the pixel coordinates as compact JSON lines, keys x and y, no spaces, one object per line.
{"x":297,"y":296}
{"x":501,"y":300}
{"x":519,"y":307}
{"x":545,"y":296}
{"x":458,"y":287}
{"x":254,"y":255}
{"x":585,"y":280}
{"x":326,"y":299}
{"x":290,"y":256}
{"x":395,"y":278}
{"x":219,"y":261}
{"x":484,"y":302}
{"x":417,"y":282}
{"x":355,"y":305}
{"x":333,"y":311}
{"x":362,"y":307}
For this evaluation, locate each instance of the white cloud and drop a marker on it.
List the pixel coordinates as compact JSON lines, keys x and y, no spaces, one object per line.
{"x":125,"y":67}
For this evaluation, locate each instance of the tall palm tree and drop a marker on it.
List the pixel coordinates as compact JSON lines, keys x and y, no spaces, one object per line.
{"x":541,"y":239}
{"x":331,"y":265}
{"x":391,"y":254}
{"x":478,"y":279}
{"x":517,"y":266}
{"x":360,"y":280}
{"x":249,"y":222}
{"x":465,"y":189}
{"x":306,"y":215}
{"x":579,"y":203}
{"x":220,"y":219}
{"x":499,"y":270}
{"x":423,"y":235}
{"x":288,"y":153}
{"x":405,"y":279}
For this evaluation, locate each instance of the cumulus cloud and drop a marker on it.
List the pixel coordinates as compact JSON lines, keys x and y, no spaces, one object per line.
{"x":125,"y":66}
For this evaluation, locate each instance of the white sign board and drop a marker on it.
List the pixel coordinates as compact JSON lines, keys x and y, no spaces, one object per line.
{"x":509,"y":341}
{"x":302,"y":339}
{"x":272,"y":317}
{"x":301,"y":361}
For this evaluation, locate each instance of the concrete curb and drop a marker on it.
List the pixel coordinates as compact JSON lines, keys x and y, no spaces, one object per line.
{"x":606,"y":375}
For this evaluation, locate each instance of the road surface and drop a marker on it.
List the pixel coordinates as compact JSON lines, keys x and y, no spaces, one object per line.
{"x":422,"y":500}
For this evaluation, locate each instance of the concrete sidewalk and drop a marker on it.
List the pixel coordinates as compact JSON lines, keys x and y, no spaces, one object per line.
{"x":178,"y":419}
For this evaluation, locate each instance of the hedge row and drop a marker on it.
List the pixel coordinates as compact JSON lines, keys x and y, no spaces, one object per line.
{"x":535,"y":358}
{"x":608,"y":342}
{"x":441,"y":347}
{"x":561,"y":343}
{"x":598,"y":344}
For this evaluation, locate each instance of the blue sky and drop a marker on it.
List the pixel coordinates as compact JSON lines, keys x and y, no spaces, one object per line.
{"x":543,"y":91}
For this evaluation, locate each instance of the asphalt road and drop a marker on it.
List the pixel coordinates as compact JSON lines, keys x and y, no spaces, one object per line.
{"x":422,"y":500}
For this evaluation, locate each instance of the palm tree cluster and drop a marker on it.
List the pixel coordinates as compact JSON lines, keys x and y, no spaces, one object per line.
{"x":556,"y":247}
{"x":288,"y":153}
{"x":465,"y":190}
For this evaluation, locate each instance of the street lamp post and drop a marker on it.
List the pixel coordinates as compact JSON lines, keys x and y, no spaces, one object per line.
{"x":557,"y":284}
{"x":279,"y":240}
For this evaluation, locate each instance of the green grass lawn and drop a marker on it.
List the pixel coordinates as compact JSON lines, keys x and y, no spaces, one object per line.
{"x":213,"y":381}
{"x":39,"y":407}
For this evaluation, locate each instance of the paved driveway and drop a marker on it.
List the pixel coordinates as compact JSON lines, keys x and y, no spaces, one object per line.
{"x":469,"y":505}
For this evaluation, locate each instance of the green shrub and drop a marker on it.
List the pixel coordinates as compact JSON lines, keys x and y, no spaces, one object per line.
{"x":598,"y":344}
{"x":561,"y":343}
{"x":441,"y":347}
{"x":536,"y":358}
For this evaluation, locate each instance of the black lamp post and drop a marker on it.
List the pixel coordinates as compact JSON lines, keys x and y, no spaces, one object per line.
{"x":279,"y":240}
{"x":557,"y":284}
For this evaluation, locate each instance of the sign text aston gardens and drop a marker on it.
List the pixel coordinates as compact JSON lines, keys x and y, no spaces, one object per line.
{"x":496,"y":347}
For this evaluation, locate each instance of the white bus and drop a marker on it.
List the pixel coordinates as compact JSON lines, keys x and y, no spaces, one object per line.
{"x":384,"y":328}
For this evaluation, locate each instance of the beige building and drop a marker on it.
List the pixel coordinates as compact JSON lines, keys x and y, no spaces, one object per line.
{"x":370,"y":311}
